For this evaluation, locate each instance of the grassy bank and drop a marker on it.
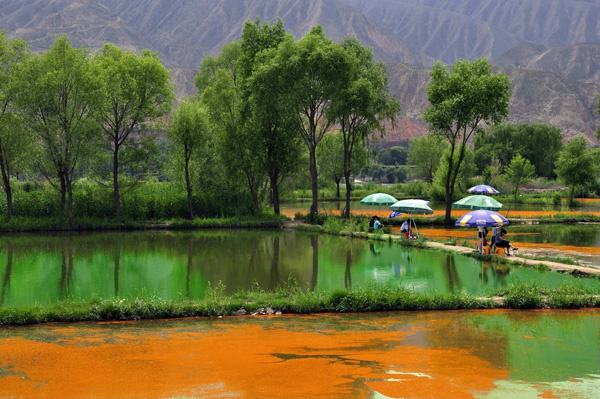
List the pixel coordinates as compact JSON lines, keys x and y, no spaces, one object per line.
{"x":293,"y":300}
{"x":42,"y":224}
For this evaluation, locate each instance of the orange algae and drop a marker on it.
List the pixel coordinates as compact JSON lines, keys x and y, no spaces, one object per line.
{"x":242,"y":360}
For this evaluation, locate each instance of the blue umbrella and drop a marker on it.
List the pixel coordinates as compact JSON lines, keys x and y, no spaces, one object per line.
{"x":483,"y":189}
{"x":482,"y":218}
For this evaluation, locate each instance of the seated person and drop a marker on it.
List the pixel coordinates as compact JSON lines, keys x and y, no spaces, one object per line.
{"x":377,"y":225}
{"x":372,"y":223}
{"x":405,"y":228}
{"x":502,"y":242}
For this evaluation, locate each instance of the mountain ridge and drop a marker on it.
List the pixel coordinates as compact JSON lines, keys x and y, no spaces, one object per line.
{"x":549,"y":48}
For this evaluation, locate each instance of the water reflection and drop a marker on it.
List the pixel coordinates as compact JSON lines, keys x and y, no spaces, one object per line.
{"x":480,"y":354}
{"x":49,"y":269}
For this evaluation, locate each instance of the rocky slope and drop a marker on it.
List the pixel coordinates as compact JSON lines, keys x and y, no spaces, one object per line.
{"x":550,"y":48}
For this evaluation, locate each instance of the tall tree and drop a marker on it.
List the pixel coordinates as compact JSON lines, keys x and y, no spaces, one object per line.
{"x":58,"y":92}
{"x":362,"y":106}
{"x":518,"y":172}
{"x":221,"y":87}
{"x":314,"y":70}
{"x":265,"y":111}
{"x":425,"y":154}
{"x":576,"y":166}
{"x":188,"y":133}
{"x":462,"y":98}
{"x":14,"y":140}
{"x":330,"y":156}
{"x":136,"y":89}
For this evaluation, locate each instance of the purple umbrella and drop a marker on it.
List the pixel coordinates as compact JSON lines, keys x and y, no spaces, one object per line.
{"x":483,"y":189}
{"x":481,"y":219}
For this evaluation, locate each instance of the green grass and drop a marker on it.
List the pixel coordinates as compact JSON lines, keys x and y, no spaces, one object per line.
{"x":24,"y":224}
{"x":534,"y":297}
{"x":295,"y":300}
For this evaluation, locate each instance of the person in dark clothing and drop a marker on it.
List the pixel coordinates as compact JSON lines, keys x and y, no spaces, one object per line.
{"x":372,"y":223}
{"x":502,"y":242}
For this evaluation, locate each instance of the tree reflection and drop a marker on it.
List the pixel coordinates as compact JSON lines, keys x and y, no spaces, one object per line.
{"x":348,"y":271}
{"x":314,"y":243}
{"x":116,"y":264}
{"x":66,"y":266}
{"x":8,"y":271}
{"x":451,"y":273}
{"x":275,"y":262}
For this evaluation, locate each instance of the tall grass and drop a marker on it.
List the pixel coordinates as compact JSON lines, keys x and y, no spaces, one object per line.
{"x":291,"y":299}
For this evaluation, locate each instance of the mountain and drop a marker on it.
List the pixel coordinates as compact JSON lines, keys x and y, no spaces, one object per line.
{"x":576,"y":62}
{"x":550,"y":48}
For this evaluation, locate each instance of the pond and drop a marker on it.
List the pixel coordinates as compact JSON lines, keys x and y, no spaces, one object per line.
{"x":581,"y":241}
{"x":48,"y":269}
{"x":451,"y":354}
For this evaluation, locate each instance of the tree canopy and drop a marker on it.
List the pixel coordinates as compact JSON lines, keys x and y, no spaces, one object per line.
{"x":463,"y":98}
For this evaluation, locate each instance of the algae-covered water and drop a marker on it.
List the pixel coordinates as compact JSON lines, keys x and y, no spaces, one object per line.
{"x":48,"y":269}
{"x":452,"y":354}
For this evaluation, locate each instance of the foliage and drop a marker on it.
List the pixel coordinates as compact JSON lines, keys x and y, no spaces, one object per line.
{"x":136,"y":89}
{"x":189,"y":135}
{"x":362,"y":106}
{"x":462,"y":98}
{"x":15,"y":138}
{"x":463,"y":180}
{"x":504,"y":141}
{"x":267,"y":112}
{"x":518,"y":172}
{"x":576,"y":166}
{"x":312,"y":71}
{"x":393,"y":156}
{"x":58,"y":92}
{"x":424,"y":155}
{"x":330,"y":157}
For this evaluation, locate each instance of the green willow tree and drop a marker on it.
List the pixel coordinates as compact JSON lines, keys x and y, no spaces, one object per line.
{"x":189,"y":133}
{"x":461,"y":99}
{"x":15,"y":140}
{"x":518,"y":172}
{"x":576,"y":166}
{"x":265,"y":112}
{"x":220,"y":85}
{"x":330,"y":156}
{"x":313,"y":71}
{"x":59,"y":92}
{"x":424,"y":155}
{"x":136,"y":89}
{"x":362,"y":106}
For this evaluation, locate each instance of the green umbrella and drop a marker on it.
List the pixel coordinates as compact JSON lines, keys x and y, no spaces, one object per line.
{"x":478,"y":202}
{"x":412,"y":206}
{"x":378,"y":199}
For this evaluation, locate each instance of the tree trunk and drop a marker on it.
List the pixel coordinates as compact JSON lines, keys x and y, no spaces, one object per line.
{"x":188,"y":187}
{"x":274,"y":182}
{"x":69,"y":186}
{"x":6,"y":184}
{"x":63,"y":193}
{"x":314,"y":182}
{"x":337,"y":187}
{"x":116,"y":192}
{"x":347,"y":211}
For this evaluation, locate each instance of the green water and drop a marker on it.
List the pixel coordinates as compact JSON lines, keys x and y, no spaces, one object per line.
{"x":46,"y":269}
